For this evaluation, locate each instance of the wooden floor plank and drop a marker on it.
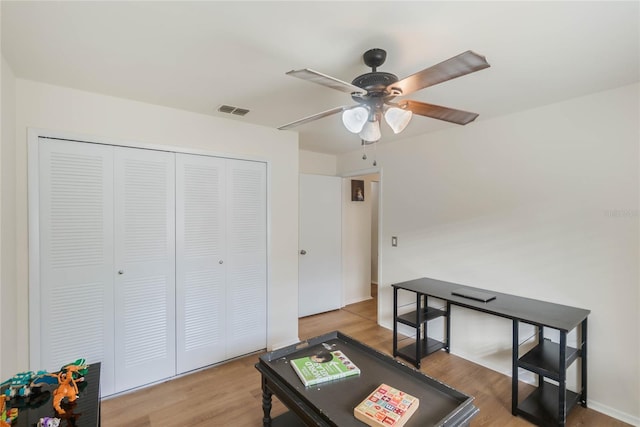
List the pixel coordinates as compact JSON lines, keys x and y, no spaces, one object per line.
{"x":230,"y":395}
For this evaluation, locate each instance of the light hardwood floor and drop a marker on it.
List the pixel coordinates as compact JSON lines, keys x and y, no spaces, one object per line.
{"x":230,"y":394}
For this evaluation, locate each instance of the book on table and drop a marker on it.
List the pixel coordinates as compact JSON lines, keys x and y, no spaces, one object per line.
{"x":386,"y":407}
{"x":324,"y":366}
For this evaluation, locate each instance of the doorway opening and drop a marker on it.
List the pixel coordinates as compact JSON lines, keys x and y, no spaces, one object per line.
{"x":360,"y":244}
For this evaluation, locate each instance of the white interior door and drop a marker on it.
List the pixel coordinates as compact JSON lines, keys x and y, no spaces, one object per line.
{"x":320,"y":265}
{"x":145,"y":264}
{"x":75,"y":301}
{"x":246,"y":257}
{"x":200,"y":254}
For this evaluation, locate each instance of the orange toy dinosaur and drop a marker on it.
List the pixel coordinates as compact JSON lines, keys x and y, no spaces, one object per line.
{"x":67,"y":388}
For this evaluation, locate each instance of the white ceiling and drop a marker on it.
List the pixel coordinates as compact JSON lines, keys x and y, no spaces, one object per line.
{"x":198,"y":55}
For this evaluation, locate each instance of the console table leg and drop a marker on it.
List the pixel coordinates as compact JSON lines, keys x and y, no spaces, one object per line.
{"x":447,"y":342}
{"x":514,"y":369}
{"x":421,"y":329}
{"x":583,"y":352}
{"x":266,"y":404}
{"x":540,"y":340}
{"x":562,"y":380}
{"x":395,"y":322}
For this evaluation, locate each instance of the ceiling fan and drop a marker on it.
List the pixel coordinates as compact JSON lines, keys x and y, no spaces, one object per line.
{"x":375,"y":94}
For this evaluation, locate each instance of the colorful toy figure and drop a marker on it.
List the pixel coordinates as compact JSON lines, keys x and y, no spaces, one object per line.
{"x":24,"y":384}
{"x":6,"y":415}
{"x":49,"y":422}
{"x":18,"y":385}
{"x":68,"y":387}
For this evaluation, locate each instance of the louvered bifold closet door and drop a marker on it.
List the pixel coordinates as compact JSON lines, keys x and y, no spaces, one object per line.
{"x":145,"y":265}
{"x":247,"y":257}
{"x":200,"y":261}
{"x":75,"y":188}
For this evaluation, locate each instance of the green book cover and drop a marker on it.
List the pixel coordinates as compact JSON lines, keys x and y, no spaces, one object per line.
{"x":324,"y":366}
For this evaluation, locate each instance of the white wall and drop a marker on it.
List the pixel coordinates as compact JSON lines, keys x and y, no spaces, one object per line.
{"x":375,"y":200}
{"x":317,"y":163}
{"x":543,"y":204}
{"x":56,"y":108}
{"x":8,"y":293}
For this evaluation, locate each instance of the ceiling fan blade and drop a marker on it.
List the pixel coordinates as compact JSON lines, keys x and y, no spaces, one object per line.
{"x":465,"y":63}
{"x":438,"y":112}
{"x":313,"y":117}
{"x":325,"y":80}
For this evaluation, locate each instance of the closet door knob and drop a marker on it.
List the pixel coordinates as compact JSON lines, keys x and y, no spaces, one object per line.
{"x":120,"y":271}
{"x":303,"y":252}
{"x":221,"y":262}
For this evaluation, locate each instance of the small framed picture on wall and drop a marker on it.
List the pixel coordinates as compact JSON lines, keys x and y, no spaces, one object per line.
{"x":357,"y":190}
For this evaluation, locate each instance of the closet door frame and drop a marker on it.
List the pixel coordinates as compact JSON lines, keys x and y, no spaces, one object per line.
{"x":33,"y":196}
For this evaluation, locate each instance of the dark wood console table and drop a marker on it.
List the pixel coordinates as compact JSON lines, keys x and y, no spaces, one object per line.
{"x":332,"y":403}
{"x":550,"y":403}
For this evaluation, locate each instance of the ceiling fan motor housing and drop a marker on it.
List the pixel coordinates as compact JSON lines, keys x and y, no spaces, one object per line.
{"x":374,"y":83}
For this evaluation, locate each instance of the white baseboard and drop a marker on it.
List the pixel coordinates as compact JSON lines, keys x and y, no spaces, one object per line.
{"x":356,"y":300}
{"x":283,"y":344}
{"x":614,"y":413}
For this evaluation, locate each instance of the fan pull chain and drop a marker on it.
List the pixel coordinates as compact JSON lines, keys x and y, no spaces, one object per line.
{"x":375,"y":154}
{"x":364,"y":150}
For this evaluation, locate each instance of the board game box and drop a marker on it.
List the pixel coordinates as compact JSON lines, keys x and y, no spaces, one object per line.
{"x":386,"y":407}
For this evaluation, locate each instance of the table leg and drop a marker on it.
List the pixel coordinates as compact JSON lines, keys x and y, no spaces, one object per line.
{"x":266,"y":404}
{"x":562,"y":380}
{"x":514,"y":369}
{"x":540,"y":340}
{"x":419,"y":329}
{"x":447,"y":342}
{"x":583,"y":362}
{"x":395,"y":322}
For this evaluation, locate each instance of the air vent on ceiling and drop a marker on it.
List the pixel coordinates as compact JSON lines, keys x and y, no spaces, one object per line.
{"x":229,"y":109}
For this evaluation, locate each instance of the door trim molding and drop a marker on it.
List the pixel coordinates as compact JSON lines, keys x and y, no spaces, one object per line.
{"x":35,"y":133}
{"x":33,"y":213}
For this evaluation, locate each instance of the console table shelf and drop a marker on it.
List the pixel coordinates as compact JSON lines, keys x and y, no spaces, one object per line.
{"x":549,"y":404}
{"x":544,"y":359}
{"x":541,"y":406}
{"x":427,"y":347}
{"x":428,"y":313}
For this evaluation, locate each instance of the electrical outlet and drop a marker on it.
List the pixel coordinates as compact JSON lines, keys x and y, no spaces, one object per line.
{"x":394,"y":241}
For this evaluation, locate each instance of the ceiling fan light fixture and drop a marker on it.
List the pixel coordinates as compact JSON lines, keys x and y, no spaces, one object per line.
{"x":354,"y":119}
{"x":371,"y":131}
{"x":398,"y":118}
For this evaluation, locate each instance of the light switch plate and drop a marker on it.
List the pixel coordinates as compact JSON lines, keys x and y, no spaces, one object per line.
{"x":394,"y":241}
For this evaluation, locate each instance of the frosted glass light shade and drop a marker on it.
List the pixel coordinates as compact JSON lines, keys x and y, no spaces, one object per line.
{"x":371,"y":131}
{"x":397,"y":118}
{"x":354,"y":119}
